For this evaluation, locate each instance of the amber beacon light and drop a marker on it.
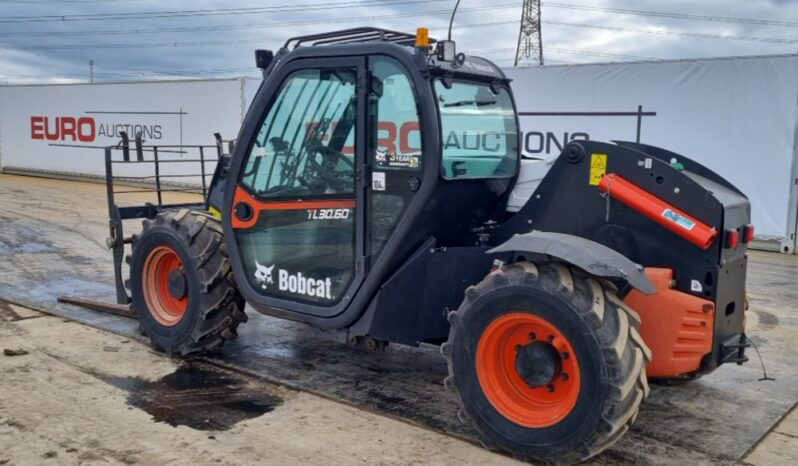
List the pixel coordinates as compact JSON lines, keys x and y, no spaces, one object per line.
{"x":422,"y":37}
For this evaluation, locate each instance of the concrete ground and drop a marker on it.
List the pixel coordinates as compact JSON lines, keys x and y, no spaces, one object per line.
{"x":83,"y":395}
{"x":74,"y":398}
{"x":779,"y":446}
{"x":60,"y":405}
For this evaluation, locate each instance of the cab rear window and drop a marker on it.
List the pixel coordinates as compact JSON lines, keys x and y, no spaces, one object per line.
{"x":479,"y":130}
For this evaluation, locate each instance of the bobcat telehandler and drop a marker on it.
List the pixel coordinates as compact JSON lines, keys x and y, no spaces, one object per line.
{"x":368,"y":195}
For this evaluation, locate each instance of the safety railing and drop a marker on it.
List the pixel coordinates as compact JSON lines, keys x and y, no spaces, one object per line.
{"x":194,"y":176}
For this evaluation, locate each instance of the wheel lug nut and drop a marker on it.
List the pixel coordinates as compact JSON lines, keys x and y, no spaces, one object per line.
{"x":565,"y":355}
{"x":532,"y":335}
{"x":564,"y":376}
{"x":550,"y":338}
{"x":550,"y":387}
{"x":518,"y":347}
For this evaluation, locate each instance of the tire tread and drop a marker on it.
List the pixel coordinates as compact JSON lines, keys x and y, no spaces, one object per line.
{"x":616,"y":326}
{"x":221,"y":306}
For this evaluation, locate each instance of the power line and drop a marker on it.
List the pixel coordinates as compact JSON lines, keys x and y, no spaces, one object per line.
{"x":188,"y":72}
{"x":248,"y":26}
{"x":723,"y":19}
{"x":773,"y":40}
{"x":194,"y":43}
{"x":569,"y":6}
{"x":211,"y":12}
{"x":601,"y":54}
{"x":44,"y":2}
{"x":495,"y":55}
{"x":131,"y":73}
{"x":343,"y":4}
{"x":573,"y":52}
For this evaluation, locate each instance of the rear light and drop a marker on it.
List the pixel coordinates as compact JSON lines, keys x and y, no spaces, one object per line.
{"x":732,"y":239}
{"x":748,"y":233}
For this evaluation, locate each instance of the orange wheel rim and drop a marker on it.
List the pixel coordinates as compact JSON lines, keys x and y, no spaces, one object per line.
{"x":503,"y":350}
{"x":165,"y":304}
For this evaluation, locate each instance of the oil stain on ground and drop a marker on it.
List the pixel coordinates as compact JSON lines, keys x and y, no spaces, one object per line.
{"x":199,"y":397}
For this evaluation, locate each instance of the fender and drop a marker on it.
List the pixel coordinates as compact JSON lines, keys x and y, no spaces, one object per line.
{"x":588,"y":255}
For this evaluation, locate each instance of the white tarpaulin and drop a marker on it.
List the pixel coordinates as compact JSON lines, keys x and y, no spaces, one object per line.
{"x":33,"y":118}
{"x":736,"y":116}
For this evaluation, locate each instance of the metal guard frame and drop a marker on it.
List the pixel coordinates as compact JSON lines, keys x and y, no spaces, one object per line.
{"x":118,"y":214}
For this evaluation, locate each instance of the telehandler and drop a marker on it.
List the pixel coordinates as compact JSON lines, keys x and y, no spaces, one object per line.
{"x":368,"y":195}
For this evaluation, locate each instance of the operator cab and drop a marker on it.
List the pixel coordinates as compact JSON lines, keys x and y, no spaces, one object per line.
{"x":360,"y":145}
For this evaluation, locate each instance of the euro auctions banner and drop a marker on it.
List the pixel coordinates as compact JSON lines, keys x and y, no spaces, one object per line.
{"x":36,"y":121}
{"x":736,"y":116}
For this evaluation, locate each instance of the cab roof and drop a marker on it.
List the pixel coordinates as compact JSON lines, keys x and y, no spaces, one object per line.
{"x":357,"y":40}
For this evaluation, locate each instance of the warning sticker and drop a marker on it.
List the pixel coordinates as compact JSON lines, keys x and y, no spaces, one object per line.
{"x":378,"y":181}
{"x":598,"y":168}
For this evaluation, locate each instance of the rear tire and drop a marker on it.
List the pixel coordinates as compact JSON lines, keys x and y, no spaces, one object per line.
{"x":575,"y":322}
{"x":182,"y":284}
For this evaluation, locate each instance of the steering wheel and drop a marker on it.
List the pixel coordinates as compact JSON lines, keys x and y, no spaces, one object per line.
{"x":326,"y":171}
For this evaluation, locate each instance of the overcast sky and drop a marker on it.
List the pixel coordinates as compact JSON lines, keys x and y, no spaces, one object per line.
{"x":44,"y":40}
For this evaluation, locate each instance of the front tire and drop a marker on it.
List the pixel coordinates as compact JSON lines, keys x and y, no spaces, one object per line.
{"x":547,"y":362}
{"x":182,"y":284}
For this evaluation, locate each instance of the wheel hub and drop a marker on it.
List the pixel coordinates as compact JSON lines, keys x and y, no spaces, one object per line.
{"x":164,"y":285}
{"x":538,"y":363}
{"x":177,"y":283}
{"x":528,"y":369}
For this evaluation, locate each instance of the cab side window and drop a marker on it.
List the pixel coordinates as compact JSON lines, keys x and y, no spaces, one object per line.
{"x":395,"y":147}
{"x":478,"y":129}
{"x":398,"y":131}
{"x":305,"y":145}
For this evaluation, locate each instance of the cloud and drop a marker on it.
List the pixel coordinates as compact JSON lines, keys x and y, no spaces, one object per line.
{"x":222,"y":45}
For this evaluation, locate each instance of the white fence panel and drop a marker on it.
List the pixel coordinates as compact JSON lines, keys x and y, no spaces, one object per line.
{"x":33,"y":118}
{"x":736,"y":116}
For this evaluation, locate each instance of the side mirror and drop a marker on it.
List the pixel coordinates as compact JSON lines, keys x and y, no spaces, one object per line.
{"x":459,"y":169}
{"x":263,"y":58}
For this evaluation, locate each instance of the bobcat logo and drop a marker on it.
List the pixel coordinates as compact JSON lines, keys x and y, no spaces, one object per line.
{"x":382,"y":157}
{"x":263,"y":275}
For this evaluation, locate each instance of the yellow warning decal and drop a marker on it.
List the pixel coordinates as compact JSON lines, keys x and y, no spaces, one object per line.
{"x":598,"y":168}
{"x":215,"y":212}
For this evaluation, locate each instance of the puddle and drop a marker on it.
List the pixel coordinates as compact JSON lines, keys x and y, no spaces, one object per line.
{"x":198,"y":397}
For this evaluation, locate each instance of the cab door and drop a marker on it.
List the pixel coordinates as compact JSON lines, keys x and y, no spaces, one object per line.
{"x":297,"y":212}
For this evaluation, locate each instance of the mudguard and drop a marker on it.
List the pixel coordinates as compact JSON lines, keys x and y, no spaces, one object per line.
{"x":588,"y":255}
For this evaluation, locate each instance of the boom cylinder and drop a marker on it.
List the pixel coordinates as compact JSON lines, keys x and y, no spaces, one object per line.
{"x":670,"y":217}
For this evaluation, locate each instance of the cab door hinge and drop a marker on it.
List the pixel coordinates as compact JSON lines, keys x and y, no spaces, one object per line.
{"x":365,"y":175}
{"x":362,"y":265}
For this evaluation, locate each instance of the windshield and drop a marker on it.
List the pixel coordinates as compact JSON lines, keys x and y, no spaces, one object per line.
{"x":479,"y":129}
